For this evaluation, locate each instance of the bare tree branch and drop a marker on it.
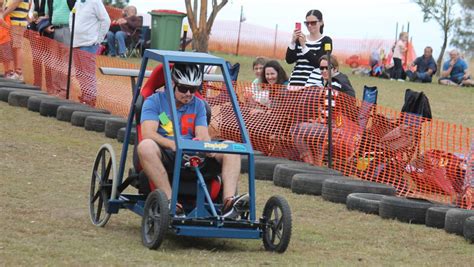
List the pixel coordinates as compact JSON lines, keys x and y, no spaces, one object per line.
{"x":202,"y":28}
{"x":215,"y":9}
{"x":191,"y":16}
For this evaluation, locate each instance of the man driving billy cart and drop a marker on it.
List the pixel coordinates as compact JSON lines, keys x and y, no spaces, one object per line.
{"x":157,"y":149}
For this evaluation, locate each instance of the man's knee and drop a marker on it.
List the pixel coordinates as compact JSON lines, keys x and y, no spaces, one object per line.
{"x":148,"y":149}
{"x":120,"y":34}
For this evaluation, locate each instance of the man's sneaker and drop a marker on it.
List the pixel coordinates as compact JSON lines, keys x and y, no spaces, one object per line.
{"x":179,"y":210}
{"x":123,"y":56}
{"x":235,"y":206}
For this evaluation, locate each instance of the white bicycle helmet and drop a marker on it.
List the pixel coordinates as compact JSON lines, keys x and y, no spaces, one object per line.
{"x":187,"y":74}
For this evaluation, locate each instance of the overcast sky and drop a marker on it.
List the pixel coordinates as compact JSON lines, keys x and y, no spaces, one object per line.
{"x":364,"y":19}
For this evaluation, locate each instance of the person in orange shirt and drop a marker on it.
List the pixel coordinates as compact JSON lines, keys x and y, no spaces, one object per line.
{"x":6,"y":53}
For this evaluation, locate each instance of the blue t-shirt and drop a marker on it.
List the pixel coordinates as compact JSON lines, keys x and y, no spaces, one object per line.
{"x":458,"y":69}
{"x":424,"y":64}
{"x":156,"y":108}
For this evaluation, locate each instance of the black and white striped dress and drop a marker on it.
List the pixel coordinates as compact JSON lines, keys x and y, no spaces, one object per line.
{"x":307,"y":63}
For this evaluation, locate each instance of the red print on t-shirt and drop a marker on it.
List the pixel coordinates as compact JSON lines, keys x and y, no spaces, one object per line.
{"x":187,"y":124}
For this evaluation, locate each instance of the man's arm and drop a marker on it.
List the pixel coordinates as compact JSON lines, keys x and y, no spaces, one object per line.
{"x":149,"y":131}
{"x":104,"y":21}
{"x":200,"y":129}
{"x":447,"y":68}
{"x":202,"y":133}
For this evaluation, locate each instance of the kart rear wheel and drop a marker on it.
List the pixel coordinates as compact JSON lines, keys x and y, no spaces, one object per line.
{"x":103,"y":174}
{"x":155,"y":219}
{"x":277,"y":233}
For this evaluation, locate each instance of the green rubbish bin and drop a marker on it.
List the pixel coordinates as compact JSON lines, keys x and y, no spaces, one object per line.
{"x":166,"y":29}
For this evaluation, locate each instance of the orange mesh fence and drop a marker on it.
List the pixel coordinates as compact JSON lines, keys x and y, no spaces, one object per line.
{"x":261,"y":41}
{"x":422,"y":158}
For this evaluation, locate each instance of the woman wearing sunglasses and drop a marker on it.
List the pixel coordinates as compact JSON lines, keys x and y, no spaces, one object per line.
{"x":306,"y":50}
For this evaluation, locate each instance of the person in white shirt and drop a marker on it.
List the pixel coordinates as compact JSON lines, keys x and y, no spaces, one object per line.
{"x":91,"y":26}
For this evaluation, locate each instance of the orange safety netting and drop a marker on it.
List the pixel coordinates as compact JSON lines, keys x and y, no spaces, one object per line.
{"x":422,"y":158}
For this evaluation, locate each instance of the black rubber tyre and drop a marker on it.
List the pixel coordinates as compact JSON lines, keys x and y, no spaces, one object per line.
{"x":103,"y":173}
{"x":468,"y":231}
{"x":365,"y":202}
{"x":96,"y":123}
{"x":18,"y":85}
{"x":5,"y":92}
{"x":436,"y":216}
{"x":112,"y":126}
{"x":155,"y":220}
{"x":244,"y":161}
{"x":283,"y":173}
{"x":64,"y":113}
{"x":404,"y":209}
{"x":121,"y":135}
{"x":34,"y":102}
{"x":337,"y":190}
{"x":311,"y":183}
{"x":9,"y":81}
{"x":455,"y":218}
{"x":78,"y":118}
{"x":19,"y":98}
{"x":277,"y":233}
{"x":265,"y":168}
{"x":49,"y":107}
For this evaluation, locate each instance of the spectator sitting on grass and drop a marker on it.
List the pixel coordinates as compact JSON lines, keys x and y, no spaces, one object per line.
{"x":455,"y":71}
{"x":425,"y":67}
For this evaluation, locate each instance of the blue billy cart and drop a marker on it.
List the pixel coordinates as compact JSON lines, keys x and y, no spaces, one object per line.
{"x":203,"y":217}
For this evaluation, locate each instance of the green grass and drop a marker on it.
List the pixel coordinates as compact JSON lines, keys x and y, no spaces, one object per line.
{"x":44,"y":185}
{"x":450,"y":104}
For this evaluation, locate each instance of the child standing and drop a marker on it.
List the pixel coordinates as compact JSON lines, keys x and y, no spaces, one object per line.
{"x":398,"y":54}
{"x":6,"y":53}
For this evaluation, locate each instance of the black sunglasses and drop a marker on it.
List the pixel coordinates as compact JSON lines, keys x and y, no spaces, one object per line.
{"x":185,"y":89}
{"x":323,"y":68}
{"x":312,"y":23}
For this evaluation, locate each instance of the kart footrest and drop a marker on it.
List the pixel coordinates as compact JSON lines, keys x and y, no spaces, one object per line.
{"x":218,"y":232}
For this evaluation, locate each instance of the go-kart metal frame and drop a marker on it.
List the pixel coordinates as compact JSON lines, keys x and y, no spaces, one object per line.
{"x":204,"y":220}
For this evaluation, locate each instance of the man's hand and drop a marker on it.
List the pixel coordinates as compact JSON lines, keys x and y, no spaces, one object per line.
{"x":49,"y":29}
{"x":121,"y":21}
{"x":172,"y":146}
{"x":451,"y":63}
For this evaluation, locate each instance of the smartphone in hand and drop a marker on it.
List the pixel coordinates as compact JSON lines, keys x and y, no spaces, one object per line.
{"x":298,"y":26}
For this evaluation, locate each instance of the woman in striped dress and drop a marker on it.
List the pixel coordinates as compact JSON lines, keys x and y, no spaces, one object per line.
{"x":306,"y":51}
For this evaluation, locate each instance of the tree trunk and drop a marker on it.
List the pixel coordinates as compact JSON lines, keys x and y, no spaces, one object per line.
{"x":201,"y":42}
{"x":439,"y":62}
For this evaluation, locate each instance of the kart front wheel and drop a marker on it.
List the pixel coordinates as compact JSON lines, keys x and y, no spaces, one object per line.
{"x":155,"y":219}
{"x":277,"y":232}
